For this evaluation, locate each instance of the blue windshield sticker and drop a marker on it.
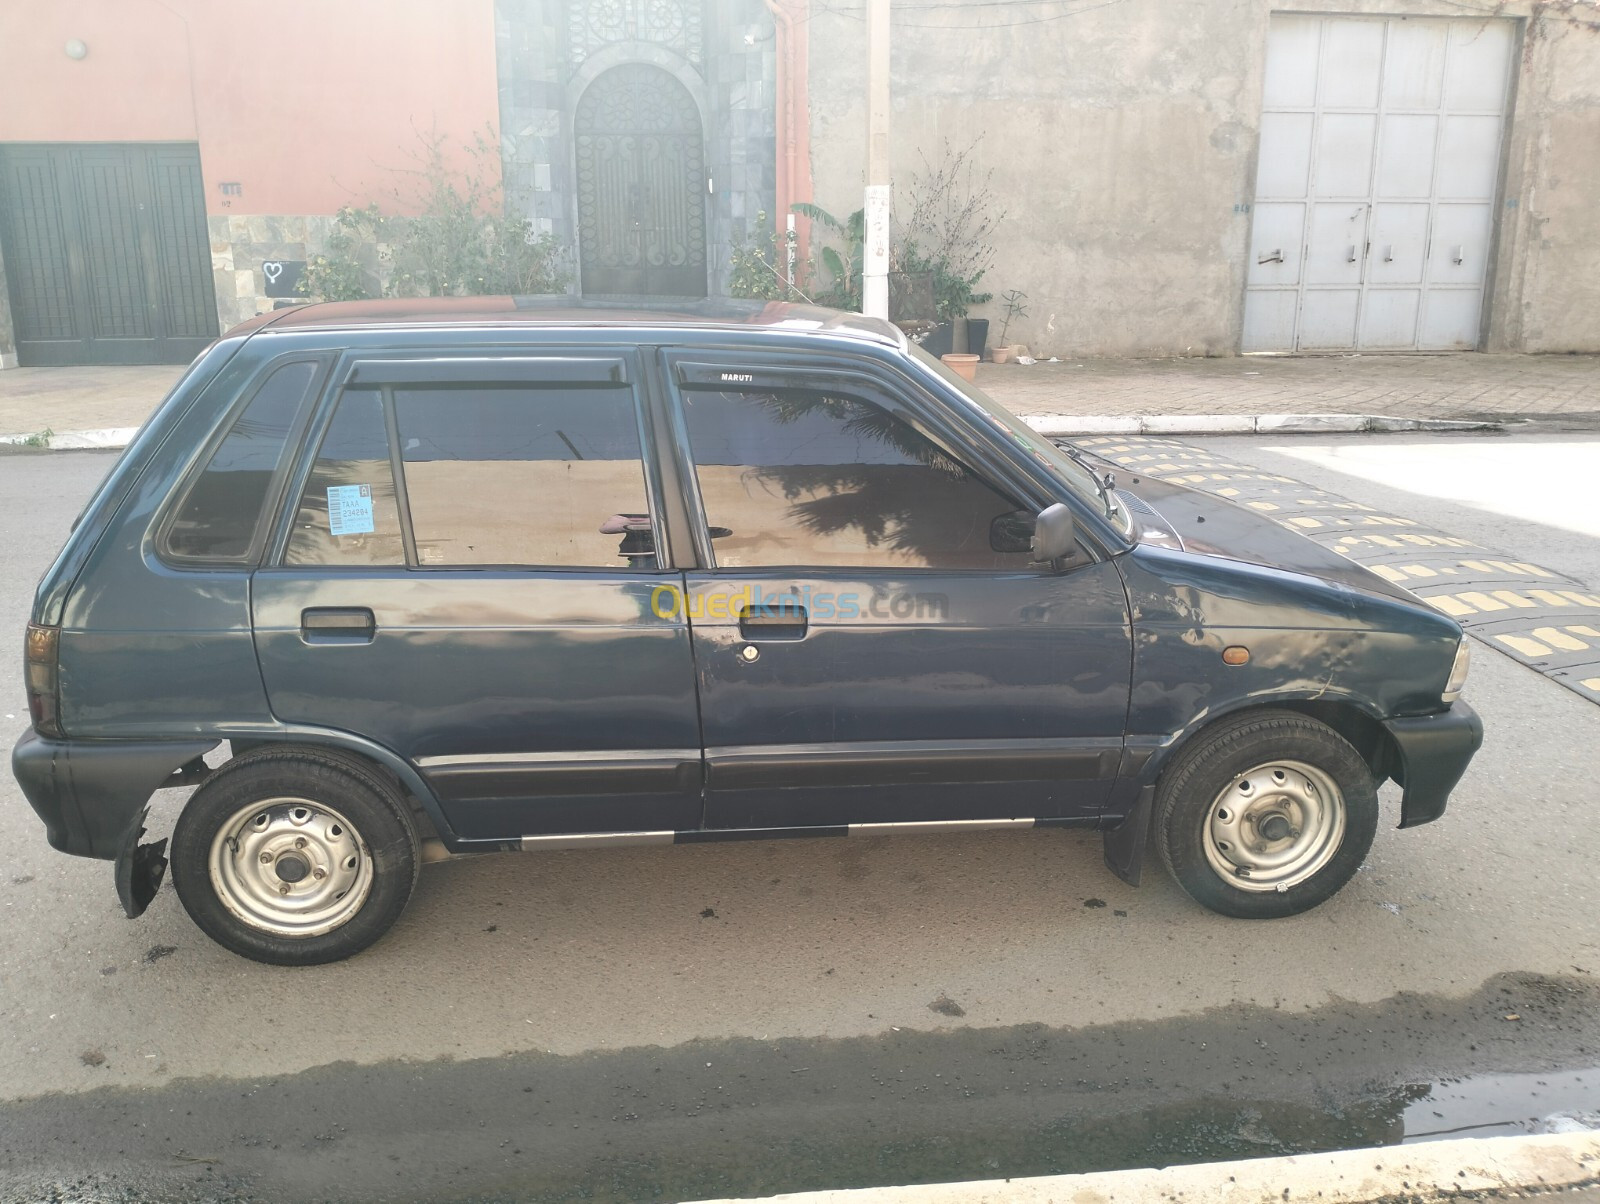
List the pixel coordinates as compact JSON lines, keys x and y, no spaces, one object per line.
{"x":350,"y":509}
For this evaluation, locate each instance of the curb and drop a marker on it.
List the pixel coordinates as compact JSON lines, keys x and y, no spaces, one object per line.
{"x":114,"y":437}
{"x":1474,"y":1168}
{"x":1066,"y":425}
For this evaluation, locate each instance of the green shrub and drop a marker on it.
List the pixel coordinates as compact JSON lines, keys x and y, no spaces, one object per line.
{"x":756,"y":266}
{"x":461,"y":241}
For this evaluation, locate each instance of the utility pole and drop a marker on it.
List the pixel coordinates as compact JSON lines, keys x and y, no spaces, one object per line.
{"x":875,"y":265}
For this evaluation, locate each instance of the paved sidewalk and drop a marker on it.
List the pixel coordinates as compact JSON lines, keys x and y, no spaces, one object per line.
{"x":1563,"y":388}
{"x":33,"y":400}
{"x":1454,"y":386}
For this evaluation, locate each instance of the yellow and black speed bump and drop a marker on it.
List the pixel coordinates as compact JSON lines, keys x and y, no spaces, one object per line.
{"x":1536,"y":615}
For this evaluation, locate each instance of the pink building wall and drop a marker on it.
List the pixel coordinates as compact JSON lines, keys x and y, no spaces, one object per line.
{"x":305,"y":104}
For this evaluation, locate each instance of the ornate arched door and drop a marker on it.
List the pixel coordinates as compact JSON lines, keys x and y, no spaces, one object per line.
{"x":641,"y":186}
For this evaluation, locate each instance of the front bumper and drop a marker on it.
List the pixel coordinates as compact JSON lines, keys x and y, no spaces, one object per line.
{"x":1434,"y":752}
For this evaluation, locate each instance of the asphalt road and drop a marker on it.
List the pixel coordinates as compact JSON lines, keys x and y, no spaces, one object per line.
{"x":742,"y":1018}
{"x":1536,"y":496}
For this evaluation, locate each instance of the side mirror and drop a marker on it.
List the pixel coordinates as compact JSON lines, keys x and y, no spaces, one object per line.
{"x":1055,"y":534}
{"x":1012,"y":531}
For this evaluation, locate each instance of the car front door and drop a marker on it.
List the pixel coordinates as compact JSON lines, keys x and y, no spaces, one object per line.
{"x":465,"y":580}
{"x":872,"y":643}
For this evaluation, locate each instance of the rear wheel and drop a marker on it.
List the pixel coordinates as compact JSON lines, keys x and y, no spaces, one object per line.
{"x":1265,"y":816}
{"x":295,"y":856}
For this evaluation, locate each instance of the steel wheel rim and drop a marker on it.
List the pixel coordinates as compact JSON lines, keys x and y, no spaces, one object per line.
{"x":291,"y":867}
{"x":1274,"y":826}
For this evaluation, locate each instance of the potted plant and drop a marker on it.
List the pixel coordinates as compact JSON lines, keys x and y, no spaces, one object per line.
{"x":955,"y":292}
{"x":948,"y":233}
{"x":978,"y":336}
{"x":1016,"y":307}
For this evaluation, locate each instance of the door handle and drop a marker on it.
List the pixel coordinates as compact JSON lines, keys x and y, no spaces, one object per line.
{"x":1350,"y":255}
{"x":338,"y":625}
{"x":1275,"y":257}
{"x":773,"y":622}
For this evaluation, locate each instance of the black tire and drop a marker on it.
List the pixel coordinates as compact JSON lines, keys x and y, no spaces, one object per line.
{"x":1226,"y":758}
{"x":366,"y":817}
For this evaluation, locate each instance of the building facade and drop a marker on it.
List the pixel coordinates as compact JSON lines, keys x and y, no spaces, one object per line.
{"x":1176,"y":177}
{"x":1204,"y":177}
{"x":642,"y":132}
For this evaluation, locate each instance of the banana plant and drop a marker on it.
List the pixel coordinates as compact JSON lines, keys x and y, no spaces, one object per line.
{"x":843,"y":263}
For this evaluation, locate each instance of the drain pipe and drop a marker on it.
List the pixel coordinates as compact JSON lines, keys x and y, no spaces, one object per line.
{"x":793,"y":165}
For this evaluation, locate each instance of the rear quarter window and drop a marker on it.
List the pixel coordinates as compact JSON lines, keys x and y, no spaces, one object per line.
{"x":218,"y":518}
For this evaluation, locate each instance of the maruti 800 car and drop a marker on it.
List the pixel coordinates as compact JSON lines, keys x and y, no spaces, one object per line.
{"x":481,"y":575}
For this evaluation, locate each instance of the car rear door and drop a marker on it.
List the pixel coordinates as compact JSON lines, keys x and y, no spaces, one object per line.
{"x":864,"y":654}
{"x":466,"y":579}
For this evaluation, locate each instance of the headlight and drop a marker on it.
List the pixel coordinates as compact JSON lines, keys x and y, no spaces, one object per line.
{"x":1458,"y":672}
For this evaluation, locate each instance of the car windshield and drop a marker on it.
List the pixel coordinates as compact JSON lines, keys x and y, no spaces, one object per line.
{"x":1076,"y":476}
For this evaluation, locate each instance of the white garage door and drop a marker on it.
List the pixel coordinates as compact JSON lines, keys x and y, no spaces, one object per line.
{"x":1375,"y":191}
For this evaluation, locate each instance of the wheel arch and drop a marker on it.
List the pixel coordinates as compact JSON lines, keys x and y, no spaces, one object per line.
{"x":1308,"y":862}
{"x":1127,"y":843}
{"x":1360,"y":730}
{"x":393,"y":767}
{"x":1356,"y":723}
{"x":358,"y":870}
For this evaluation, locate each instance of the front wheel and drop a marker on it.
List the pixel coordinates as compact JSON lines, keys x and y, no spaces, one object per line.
{"x":1267,"y":815}
{"x":295,"y":856}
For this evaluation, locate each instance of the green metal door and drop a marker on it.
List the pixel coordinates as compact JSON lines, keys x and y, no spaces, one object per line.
{"x":106,"y":253}
{"x":641,"y":186}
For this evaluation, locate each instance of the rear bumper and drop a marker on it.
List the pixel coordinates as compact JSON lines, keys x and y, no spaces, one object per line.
{"x":91,"y":794}
{"x":1434,"y":752}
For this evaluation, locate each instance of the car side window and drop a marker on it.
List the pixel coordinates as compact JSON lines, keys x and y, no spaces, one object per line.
{"x":217,"y":519}
{"x":530,"y":476}
{"x":806,"y":478}
{"x":348,"y":514}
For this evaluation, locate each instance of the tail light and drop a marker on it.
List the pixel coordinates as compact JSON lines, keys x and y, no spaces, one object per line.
{"x":43,"y":679}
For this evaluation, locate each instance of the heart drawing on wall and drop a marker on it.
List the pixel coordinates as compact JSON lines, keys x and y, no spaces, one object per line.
{"x":282,"y":276}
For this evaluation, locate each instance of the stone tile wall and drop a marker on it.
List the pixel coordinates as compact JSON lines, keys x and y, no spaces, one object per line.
{"x":239,"y":247}
{"x":540,"y":54}
{"x":741,"y":84}
{"x":531,"y":41}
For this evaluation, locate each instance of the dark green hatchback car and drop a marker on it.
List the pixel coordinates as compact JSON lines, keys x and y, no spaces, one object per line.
{"x":484,"y":575}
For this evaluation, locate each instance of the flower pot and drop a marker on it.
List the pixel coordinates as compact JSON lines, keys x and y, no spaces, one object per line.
{"x":977,"y":336}
{"x":963,"y":364}
{"x":1002,"y":355}
{"x":940,"y":340}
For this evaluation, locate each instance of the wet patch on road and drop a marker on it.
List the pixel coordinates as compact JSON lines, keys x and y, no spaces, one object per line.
{"x":748,"y":1118}
{"x":1535,"y":615}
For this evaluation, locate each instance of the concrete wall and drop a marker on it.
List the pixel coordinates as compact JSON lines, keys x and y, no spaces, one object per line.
{"x":1122,"y":139}
{"x":1547,"y":284}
